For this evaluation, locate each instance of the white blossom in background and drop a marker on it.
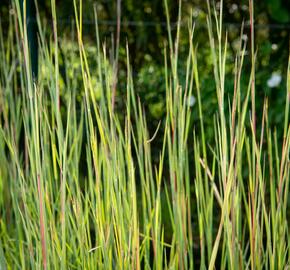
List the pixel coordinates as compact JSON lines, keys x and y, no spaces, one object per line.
{"x":151,"y":69}
{"x":274,"y":80}
{"x":191,"y":101}
{"x":233,"y":8}
{"x":195,"y":12}
{"x":274,"y":47}
{"x":245,"y":37}
{"x":244,"y":7}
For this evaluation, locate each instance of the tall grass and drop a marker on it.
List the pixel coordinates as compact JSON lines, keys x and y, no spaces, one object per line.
{"x":80,"y":190}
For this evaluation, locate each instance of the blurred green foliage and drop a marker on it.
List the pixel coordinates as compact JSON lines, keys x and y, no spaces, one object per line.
{"x":277,"y":10}
{"x":144,"y":29}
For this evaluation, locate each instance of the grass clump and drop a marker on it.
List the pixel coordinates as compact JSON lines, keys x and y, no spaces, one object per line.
{"x":79,"y":187}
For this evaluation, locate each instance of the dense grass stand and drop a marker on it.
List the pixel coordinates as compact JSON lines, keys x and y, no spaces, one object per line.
{"x":80,"y":187}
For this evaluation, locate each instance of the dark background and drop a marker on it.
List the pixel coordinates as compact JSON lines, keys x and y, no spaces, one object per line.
{"x":143,"y":26}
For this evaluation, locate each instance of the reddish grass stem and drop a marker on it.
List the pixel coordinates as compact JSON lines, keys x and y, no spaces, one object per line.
{"x":41,"y":221}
